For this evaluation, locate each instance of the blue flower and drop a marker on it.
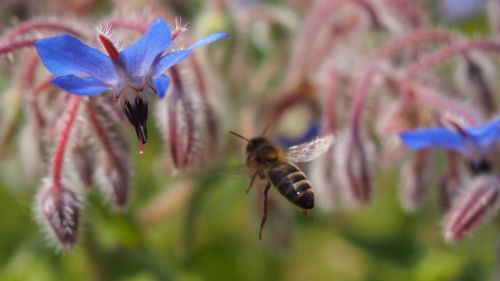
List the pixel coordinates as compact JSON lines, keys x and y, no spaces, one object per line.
{"x":129,"y":73}
{"x":312,"y":131}
{"x":480,"y":138}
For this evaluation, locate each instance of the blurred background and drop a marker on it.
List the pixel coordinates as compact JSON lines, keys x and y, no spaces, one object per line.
{"x":200,"y":225}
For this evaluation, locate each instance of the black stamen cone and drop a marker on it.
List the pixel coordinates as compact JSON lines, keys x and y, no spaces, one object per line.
{"x":137,"y":115}
{"x":481,"y":166}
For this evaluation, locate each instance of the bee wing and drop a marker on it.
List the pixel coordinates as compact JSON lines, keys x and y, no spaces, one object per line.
{"x":309,"y":150}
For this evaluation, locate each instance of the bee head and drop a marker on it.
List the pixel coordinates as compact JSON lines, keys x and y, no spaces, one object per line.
{"x":255,"y":143}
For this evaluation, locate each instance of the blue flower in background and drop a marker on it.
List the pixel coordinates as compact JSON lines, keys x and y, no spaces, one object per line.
{"x":461,"y":9}
{"x":86,"y":71}
{"x":312,"y":132}
{"x":482,"y":137}
{"x":474,"y":143}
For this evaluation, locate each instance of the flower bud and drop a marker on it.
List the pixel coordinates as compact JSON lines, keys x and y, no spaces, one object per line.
{"x":475,"y":77}
{"x":58,"y":209}
{"x":182,"y":120}
{"x":113,"y":169}
{"x":83,"y":155}
{"x":414,"y":181}
{"x":473,"y":207}
{"x":354,"y":168}
{"x":114,"y":180}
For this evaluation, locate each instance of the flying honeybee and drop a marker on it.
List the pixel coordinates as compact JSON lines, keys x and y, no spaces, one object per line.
{"x":270,"y":162}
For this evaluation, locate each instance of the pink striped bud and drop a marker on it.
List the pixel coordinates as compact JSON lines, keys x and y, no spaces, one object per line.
{"x":354,"y":162}
{"x":113,"y":172}
{"x":473,"y":207}
{"x":181,"y":117}
{"x":83,"y":155}
{"x":475,"y":77}
{"x":414,"y":180}
{"x":58,"y":210}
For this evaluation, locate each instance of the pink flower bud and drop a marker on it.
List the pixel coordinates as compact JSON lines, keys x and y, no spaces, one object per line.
{"x":82,"y":155}
{"x":186,"y":127}
{"x":354,"y":160}
{"x":473,"y":207}
{"x":475,"y":77}
{"x":414,"y":181}
{"x":113,"y":166}
{"x":114,"y":180}
{"x":58,"y":209}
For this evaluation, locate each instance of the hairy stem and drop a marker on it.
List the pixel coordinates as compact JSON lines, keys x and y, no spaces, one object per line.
{"x":417,"y":37}
{"x":14,"y":46}
{"x":69,"y":118}
{"x":37,"y":25}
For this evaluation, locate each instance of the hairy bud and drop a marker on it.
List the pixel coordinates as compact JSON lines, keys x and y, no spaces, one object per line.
{"x":58,"y":209}
{"x":113,"y":169}
{"x":475,"y":77}
{"x":83,"y":155}
{"x":354,"y":168}
{"x":414,"y":181}
{"x":182,"y":120}
{"x":473,"y":207}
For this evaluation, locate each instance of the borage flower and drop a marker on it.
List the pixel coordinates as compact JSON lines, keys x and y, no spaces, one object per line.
{"x":473,"y":142}
{"x":129,"y":73}
{"x":480,"y":198}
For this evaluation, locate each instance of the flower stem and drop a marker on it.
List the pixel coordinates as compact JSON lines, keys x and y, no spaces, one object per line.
{"x":37,"y":25}
{"x":13,"y":46}
{"x":417,"y":37}
{"x":314,"y":23}
{"x":69,"y":118}
{"x":449,"y":52}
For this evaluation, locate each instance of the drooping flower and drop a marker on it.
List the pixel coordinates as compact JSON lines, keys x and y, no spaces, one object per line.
{"x":482,"y":137}
{"x":129,"y":73}
{"x":473,"y":142}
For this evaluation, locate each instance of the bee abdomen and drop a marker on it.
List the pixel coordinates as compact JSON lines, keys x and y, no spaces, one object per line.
{"x":293,"y":184}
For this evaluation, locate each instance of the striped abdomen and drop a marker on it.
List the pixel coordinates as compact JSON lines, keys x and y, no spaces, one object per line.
{"x":292,"y":183}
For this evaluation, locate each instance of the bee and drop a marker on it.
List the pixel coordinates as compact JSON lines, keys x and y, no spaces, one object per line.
{"x":275,"y":165}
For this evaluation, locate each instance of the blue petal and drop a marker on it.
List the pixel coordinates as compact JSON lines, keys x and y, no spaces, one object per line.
{"x":161,"y":85}
{"x":312,"y":132}
{"x":65,"y":54}
{"x":485,"y":135}
{"x":83,"y":86}
{"x":433,"y":137}
{"x":209,"y":39}
{"x":138,"y":57}
{"x":169,"y":60}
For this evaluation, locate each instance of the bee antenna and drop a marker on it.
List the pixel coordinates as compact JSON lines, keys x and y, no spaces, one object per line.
{"x":265,"y":130}
{"x":238,"y":135}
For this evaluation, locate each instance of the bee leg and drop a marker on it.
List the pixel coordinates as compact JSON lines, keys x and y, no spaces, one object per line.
{"x":306,"y":214}
{"x":263,"y":222}
{"x":252,"y":180}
